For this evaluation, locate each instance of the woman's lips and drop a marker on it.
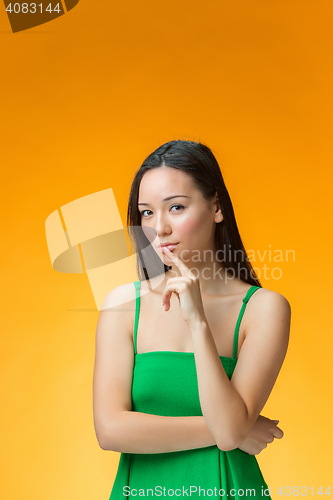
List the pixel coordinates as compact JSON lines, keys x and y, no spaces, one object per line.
{"x":170,"y":247}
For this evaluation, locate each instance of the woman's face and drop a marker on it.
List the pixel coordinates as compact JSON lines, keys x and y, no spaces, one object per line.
{"x":177,"y":212}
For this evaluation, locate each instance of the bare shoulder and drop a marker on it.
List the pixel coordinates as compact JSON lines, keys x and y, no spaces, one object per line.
{"x":263,"y":298}
{"x":121,"y":296}
{"x":117,"y":312}
{"x":269,"y":307}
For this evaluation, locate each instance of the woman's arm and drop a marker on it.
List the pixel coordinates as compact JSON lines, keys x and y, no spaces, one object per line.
{"x":120,"y":429}
{"x":145,"y":433}
{"x":117,"y":427}
{"x":231,"y":407}
{"x":135,"y":432}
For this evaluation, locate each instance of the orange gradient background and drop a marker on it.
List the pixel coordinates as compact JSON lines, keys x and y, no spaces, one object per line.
{"x":84,"y":99}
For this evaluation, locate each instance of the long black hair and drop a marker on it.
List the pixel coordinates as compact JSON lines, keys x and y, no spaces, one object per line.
{"x":197,"y":160}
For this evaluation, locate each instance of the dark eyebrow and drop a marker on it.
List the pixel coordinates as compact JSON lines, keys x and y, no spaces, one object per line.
{"x":169,"y":198}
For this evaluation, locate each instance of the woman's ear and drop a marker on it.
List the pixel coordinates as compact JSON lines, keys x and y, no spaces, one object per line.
{"x":218,"y":217}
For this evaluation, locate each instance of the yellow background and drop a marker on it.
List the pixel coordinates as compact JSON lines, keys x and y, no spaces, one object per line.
{"x":84,"y":99}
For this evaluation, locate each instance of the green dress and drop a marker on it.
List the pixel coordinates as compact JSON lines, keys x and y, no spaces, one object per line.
{"x":165,"y":383}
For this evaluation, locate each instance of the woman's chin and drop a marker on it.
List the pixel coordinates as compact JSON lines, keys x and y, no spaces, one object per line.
{"x":165,"y":258}
{"x":163,"y":255}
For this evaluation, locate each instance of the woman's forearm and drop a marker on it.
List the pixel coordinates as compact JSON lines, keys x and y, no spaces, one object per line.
{"x":223,"y":408}
{"x":135,"y":432}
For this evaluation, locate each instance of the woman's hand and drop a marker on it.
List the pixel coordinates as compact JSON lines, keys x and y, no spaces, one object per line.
{"x":187,"y":289}
{"x":263,"y":432}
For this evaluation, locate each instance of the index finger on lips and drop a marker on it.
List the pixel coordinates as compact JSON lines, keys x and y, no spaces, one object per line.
{"x":186,"y":272}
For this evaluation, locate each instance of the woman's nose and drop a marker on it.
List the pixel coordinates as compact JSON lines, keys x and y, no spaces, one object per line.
{"x":162,"y":225}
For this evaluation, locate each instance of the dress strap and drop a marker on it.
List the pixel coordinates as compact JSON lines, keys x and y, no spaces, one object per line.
{"x":249,"y":293}
{"x":137,"y":285}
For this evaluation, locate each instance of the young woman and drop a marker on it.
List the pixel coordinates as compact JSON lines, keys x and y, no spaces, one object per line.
{"x":187,"y":356}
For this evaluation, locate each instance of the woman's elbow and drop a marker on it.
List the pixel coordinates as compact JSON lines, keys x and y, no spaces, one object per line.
{"x":108,"y":438}
{"x":229,"y":442}
{"x":103,"y":440}
{"x":226,"y":445}
{"x":103,"y":443}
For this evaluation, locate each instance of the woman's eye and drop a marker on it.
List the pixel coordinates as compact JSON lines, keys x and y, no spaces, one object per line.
{"x":143,"y":211}
{"x":178,"y":207}
{"x":181,"y":206}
